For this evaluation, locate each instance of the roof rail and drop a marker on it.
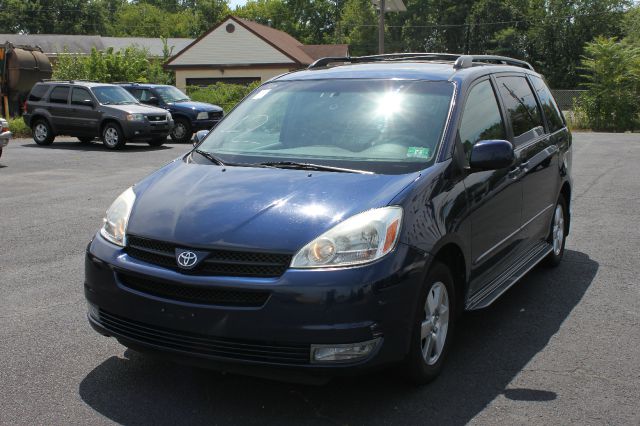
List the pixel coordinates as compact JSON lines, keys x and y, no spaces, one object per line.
{"x":459,"y":61}
{"x":56,"y":80}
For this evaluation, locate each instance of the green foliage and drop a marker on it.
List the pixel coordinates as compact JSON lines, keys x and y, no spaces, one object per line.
{"x":19,"y":128}
{"x":612,"y":75}
{"x":130,"y":64}
{"x":221,"y":94}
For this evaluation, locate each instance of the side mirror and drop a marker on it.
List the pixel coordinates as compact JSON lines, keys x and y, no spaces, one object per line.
{"x":201,"y":134}
{"x":152,"y":101}
{"x":491,"y":155}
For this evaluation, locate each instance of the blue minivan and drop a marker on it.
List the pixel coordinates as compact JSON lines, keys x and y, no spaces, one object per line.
{"x":340,"y":218}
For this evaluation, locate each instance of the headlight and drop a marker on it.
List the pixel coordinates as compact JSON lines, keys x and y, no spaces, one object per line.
{"x":202,"y":116}
{"x":360,"y":239}
{"x":135,"y":117}
{"x":117,"y":218}
{"x":169,"y":117}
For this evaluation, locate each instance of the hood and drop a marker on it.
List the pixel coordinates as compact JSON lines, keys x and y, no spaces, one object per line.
{"x":138,"y":108}
{"x":252,"y":208}
{"x":196,"y":106}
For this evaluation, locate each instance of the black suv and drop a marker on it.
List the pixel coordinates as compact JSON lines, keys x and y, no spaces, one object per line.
{"x":88,"y":110}
{"x":189,"y":116}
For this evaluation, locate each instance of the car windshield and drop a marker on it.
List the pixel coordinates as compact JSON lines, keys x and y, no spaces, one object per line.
{"x":113,"y":95}
{"x":382,"y":126}
{"x":170,"y":94}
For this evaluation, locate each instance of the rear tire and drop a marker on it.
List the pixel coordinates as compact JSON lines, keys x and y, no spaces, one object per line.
{"x":112,"y":136}
{"x":433,"y":327}
{"x":86,"y":139}
{"x":157,"y":142}
{"x":181,"y":132}
{"x":558,"y":233}
{"x":42,"y":133}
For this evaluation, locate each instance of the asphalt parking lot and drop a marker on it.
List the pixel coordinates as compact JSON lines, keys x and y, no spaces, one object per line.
{"x":561,"y":347}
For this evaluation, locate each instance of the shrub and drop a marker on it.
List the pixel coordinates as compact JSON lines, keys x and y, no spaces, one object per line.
{"x":19,"y":128}
{"x":224,"y":95}
{"x":612,"y":76}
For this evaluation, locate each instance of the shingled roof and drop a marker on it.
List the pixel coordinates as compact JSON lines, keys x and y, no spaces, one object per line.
{"x":299,"y":53}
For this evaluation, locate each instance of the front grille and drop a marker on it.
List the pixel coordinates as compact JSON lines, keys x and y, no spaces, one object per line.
{"x":216,"y":262}
{"x":157,"y":117}
{"x":196,"y":294}
{"x":215,"y":115}
{"x":203,"y":345}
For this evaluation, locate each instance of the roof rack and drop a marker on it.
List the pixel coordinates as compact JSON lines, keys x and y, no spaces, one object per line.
{"x":459,"y":61}
{"x":55,"y":80}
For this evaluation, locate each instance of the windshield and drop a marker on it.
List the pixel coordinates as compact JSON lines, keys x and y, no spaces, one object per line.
{"x":170,"y":94}
{"x":113,"y":95}
{"x":384,"y":126}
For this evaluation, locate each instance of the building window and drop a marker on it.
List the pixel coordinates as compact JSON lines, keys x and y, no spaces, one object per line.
{"x":230,"y":28}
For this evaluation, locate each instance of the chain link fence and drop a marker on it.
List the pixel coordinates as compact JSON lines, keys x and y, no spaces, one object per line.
{"x":566,"y":98}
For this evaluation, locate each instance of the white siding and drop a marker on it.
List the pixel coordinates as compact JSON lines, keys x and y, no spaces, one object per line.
{"x":222,"y":48}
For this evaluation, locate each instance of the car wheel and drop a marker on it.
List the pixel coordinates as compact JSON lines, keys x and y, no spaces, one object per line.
{"x":86,"y":139}
{"x":42,"y":133}
{"x":433,"y":325}
{"x":157,"y":141}
{"x":181,"y":132}
{"x":112,"y":136}
{"x":558,"y":233}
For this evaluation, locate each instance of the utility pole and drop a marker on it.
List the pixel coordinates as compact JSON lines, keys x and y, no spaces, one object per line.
{"x":381,"y":28}
{"x":385,"y":6}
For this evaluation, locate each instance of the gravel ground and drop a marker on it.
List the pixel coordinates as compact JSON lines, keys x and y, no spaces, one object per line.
{"x":561,"y":347}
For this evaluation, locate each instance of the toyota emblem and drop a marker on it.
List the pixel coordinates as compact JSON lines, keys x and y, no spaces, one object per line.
{"x":187,"y":259}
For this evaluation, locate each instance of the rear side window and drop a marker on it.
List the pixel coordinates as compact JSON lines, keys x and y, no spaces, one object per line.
{"x":59,"y":95}
{"x":79,"y":96}
{"x":549,"y":105}
{"x":481,"y":119}
{"x":38,"y":92}
{"x":522,"y":108}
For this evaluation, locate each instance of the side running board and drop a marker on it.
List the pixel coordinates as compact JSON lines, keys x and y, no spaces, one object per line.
{"x":512,"y":275}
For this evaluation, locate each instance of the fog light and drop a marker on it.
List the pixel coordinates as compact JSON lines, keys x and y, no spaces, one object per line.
{"x":343,"y":352}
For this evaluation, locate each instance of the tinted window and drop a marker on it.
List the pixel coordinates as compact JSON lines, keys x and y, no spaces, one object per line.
{"x":522,"y":108}
{"x":481,"y":119}
{"x":113,"y":95}
{"x":38,"y":91}
{"x":549,"y":106}
{"x":59,"y":95}
{"x":78,"y":96}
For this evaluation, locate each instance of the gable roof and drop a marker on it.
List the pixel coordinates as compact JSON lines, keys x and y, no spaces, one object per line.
{"x":280,"y":40}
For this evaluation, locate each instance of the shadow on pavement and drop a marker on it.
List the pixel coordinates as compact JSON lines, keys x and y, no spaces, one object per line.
{"x":491,"y":347}
{"x":97,"y":146}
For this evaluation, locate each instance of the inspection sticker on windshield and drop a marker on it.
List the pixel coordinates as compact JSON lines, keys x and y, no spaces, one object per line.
{"x":261,"y":94}
{"x":418,"y":152}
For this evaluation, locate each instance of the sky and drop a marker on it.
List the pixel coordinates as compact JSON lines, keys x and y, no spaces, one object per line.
{"x":234,"y":3}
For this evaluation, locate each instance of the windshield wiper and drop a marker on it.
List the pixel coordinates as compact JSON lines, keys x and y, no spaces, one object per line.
{"x":310,"y":166}
{"x":209,"y":156}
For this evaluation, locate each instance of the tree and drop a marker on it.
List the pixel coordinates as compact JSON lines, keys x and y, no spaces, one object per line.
{"x":612,"y":74}
{"x":357,"y":27}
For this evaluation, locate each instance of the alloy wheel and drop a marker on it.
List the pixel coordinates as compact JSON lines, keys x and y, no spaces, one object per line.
{"x":111,"y":136}
{"x":558,"y":230}
{"x":435,"y":324}
{"x":40,"y":132}
{"x":179,"y":131}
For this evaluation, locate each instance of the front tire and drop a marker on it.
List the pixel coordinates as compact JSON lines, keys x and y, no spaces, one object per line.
{"x":112,"y":136}
{"x":42,"y":133}
{"x":558,"y":233}
{"x":181,"y":132}
{"x":433,"y":325}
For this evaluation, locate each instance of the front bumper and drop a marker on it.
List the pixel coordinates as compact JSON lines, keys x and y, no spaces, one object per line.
{"x":146,"y":130}
{"x":203,"y":124}
{"x":305,"y":307}
{"x":4,"y":139}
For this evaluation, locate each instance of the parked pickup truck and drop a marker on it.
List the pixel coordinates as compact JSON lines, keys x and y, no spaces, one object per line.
{"x":5,"y":134}
{"x":189,"y":116}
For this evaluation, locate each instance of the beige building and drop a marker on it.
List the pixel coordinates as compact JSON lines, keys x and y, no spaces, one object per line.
{"x":240,"y":51}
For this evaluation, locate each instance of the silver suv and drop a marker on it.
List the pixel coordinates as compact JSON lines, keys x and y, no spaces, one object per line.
{"x":88,"y":110}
